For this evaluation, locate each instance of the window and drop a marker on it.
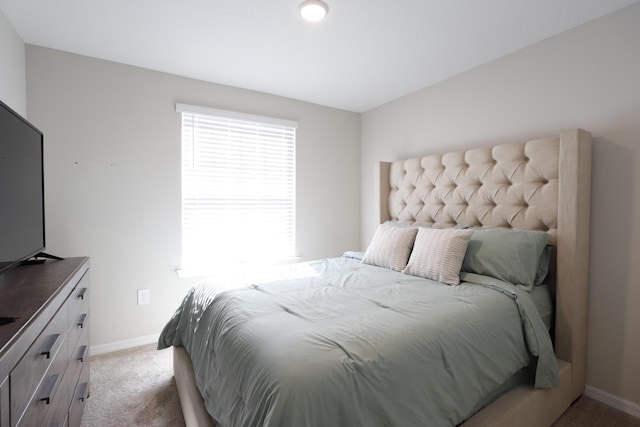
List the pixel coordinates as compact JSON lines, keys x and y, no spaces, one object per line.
{"x":238,"y":188}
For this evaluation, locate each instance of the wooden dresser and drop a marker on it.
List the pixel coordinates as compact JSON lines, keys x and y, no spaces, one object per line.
{"x":44,"y":354}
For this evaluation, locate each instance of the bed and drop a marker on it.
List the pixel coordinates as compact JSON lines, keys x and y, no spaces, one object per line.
{"x":540,"y":185}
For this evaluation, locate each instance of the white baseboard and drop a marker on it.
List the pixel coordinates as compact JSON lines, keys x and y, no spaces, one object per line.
{"x":613,"y":401}
{"x":123,"y":345}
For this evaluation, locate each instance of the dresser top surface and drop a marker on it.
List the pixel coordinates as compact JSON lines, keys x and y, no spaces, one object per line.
{"x":25,"y":290}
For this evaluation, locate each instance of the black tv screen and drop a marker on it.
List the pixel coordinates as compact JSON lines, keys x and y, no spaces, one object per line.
{"x":21,"y":189}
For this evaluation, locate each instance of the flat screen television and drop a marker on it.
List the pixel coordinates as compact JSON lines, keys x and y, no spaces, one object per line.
{"x":21,"y":189}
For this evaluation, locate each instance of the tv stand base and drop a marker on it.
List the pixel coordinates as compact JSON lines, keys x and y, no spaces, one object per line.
{"x":40,"y":258}
{"x":48,"y":256}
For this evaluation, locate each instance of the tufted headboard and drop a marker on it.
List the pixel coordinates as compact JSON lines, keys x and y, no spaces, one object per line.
{"x":508,"y":186}
{"x":543,"y":184}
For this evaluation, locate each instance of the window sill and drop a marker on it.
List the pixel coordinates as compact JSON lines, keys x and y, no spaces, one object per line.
{"x":232,"y":271}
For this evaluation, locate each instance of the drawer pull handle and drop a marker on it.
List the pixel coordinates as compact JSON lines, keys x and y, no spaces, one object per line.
{"x":83,"y":318}
{"x":82,"y":392}
{"x":82,"y":353}
{"x":52,"y":342}
{"x":49,"y":386}
{"x":81,"y":293}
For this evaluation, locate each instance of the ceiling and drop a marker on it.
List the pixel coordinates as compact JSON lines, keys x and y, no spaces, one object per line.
{"x":364,"y":54}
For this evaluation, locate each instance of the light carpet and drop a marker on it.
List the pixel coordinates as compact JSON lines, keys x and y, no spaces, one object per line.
{"x":133,"y":387}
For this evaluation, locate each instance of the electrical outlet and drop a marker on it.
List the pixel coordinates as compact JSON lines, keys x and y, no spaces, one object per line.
{"x":144,"y":296}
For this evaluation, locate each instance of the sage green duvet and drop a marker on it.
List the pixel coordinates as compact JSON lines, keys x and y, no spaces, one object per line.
{"x":340,"y":343}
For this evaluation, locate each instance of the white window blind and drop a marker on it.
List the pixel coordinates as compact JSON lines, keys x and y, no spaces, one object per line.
{"x":238,"y":189}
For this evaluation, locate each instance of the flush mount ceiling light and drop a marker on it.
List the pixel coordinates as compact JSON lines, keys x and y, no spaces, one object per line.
{"x":313,"y":10}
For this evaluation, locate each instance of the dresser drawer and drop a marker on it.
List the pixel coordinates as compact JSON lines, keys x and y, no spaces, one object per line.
{"x":78,"y":357}
{"x":79,"y":325}
{"x":4,"y":402}
{"x":30,"y":370}
{"x":79,"y":397}
{"x":59,"y":408}
{"x":52,"y":391}
{"x":79,"y":299}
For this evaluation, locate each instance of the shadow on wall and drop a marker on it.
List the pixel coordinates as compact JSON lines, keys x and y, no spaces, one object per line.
{"x":612,"y":183}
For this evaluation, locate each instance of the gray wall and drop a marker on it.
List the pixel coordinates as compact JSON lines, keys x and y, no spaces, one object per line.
{"x":112,"y":172}
{"x":13,"y":86}
{"x":113,"y":183}
{"x":588,"y":77}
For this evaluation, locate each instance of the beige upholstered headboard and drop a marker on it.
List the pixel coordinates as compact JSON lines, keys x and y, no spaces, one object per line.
{"x":543,"y":184}
{"x":507,"y":186}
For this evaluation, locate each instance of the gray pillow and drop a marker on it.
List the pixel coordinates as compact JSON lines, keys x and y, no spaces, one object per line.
{"x":520,"y":257}
{"x":543,"y":265}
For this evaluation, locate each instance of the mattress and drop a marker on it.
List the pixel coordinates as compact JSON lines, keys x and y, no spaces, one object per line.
{"x":337,"y":342}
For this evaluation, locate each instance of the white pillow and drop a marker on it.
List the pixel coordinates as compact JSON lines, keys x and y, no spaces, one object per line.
{"x":438,"y":254}
{"x":390,"y":247}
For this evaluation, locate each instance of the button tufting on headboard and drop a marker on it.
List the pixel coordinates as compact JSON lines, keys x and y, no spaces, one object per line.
{"x":512,"y":185}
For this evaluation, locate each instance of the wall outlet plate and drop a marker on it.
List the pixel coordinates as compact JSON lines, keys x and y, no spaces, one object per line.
{"x":144,"y":296}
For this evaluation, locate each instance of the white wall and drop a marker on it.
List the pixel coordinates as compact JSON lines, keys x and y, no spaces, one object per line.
{"x":588,"y":77}
{"x":13,"y":87}
{"x":112,"y":173}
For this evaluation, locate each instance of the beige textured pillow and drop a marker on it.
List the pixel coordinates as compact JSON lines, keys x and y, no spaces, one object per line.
{"x":390,"y":247}
{"x":438,"y":254}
